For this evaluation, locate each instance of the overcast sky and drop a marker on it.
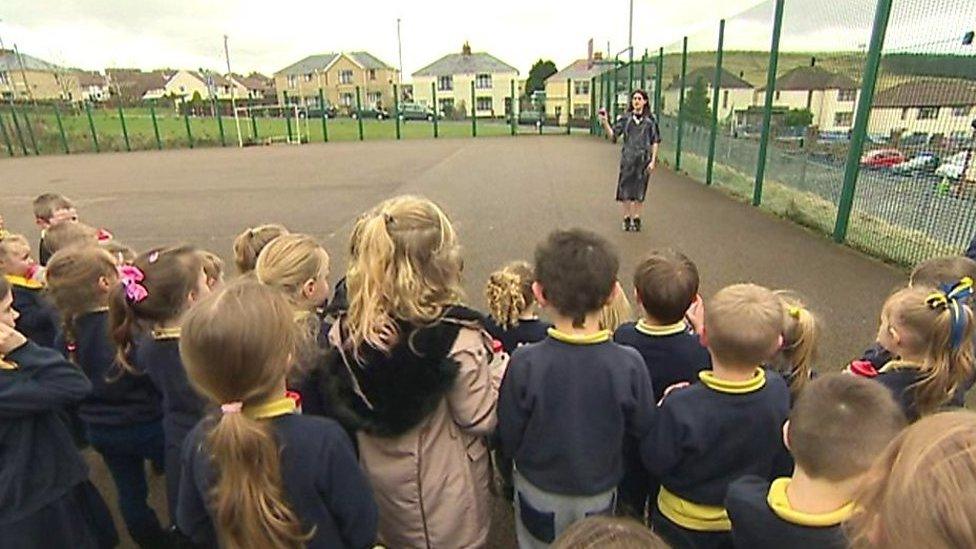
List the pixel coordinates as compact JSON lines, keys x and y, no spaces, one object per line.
{"x":95,"y":34}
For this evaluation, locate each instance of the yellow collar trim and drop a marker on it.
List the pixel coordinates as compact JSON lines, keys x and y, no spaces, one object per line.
{"x":98,"y":310}
{"x":7,"y":364}
{"x":166,"y":333}
{"x":273,"y":408}
{"x":780,"y":504}
{"x":691,"y":515}
{"x":733,"y":387}
{"x":671,"y":329}
{"x":588,"y":339}
{"x":893,"y":365}
{"x":23,"y":282}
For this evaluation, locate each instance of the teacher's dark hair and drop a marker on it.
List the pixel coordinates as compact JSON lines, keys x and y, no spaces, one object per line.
{"x":647,"y":103}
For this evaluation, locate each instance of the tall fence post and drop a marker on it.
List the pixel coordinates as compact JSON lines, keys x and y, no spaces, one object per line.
{"x":186,"y":122}
{"x":254,"y":121}
{"x":630,"y":74}
{"x":474,"y":113}
{"x":592,"y":90}
{"x":359,"y":113}
{"x":325,"y":117}
{"x":864,"y":103}
{"x":681,"y":104}
{"x":20,"y":133}
{"x":613,"y":88}
{"x":30,"y":133}
{"x":64,"y":138}
{"x":768,"y":105}
{"x":437,"y":114}
{"x":658,"y":77}
{"x":91,"y":126}
{"x":155,"y":123}
{"x":220,"y":121}
{"x":716,"y":91}
{"x":6,"y":136}
{"x":644,"y":71}
{"x":396,"y":109}
{"x":284,"y":96}
{"x":512,"y":114}
{"x":125,"y":130}
{"x":569,"y":106}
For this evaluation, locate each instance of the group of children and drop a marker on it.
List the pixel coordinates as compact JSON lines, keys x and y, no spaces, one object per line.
{"x":286,"y":411}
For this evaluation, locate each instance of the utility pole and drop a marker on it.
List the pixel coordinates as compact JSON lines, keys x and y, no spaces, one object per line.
{"x":233,"y":98}
{"x":23,"y":74}
{"x":400,"y":54}
{"x":630,"y":33}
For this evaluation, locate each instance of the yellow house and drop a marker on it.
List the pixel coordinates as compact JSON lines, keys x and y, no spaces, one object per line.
{"x":574,"y":78}
{"x":186,"y":85}
{"x":23,"y":78}
{"x":453,"y":74}
{"x":945,"y":107}
{"x":337,"y":75}
{"x":735,"y":93}
{"x":831,"y":97}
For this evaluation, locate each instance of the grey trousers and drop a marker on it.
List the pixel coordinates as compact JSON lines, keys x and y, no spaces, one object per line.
{"x":540,"y":516}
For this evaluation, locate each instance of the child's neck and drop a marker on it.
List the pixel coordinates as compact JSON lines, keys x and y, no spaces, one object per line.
{"x":818,"y":496}
{"x":529,"y":314}
{"x":173,"y":323}
{"x":911,"y":358}
{"x":564,"y":324}
{"x":732,"y":372}
{"x":650,"y":320}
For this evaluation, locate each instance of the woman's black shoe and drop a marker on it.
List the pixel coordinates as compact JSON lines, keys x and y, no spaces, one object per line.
{"x":636,"y":225}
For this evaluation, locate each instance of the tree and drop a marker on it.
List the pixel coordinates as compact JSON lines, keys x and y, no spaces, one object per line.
{"x":696,"y":104}
{"x":798,"y":117}
{"x":537,"y":76}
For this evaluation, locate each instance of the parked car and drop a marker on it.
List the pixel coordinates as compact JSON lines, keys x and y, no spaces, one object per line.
{"x":925,"y":162}
{"x":953,"y":166}
{"x":529,"y":117}
{"x":882,"y":158}
{"x":914,"y":140}
{"x":378,"y":113}
{"x":415,"y":111}
{"x":833,"y":137}
{"x":317,"y":112}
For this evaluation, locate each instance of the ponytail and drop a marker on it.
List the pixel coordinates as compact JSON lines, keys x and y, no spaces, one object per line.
{"x":248,"y":499}
{"x":508,"y":293}
{"x":801,"y":336}
{"x":122,"y":325}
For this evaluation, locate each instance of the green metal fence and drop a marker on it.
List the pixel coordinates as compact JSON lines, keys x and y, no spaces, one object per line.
{"x":856,"y":122}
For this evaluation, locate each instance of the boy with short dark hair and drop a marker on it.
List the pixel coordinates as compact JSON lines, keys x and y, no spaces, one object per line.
{"x":567,"y":401}
{"x":51,"y":209}
{"x":726,"y":426}
{"x":838,"y":426}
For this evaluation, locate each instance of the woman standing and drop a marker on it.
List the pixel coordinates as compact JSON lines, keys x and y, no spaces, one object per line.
{"x":638,"y":157}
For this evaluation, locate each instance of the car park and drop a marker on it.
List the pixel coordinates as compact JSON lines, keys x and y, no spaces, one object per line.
{"x":921,"y":163}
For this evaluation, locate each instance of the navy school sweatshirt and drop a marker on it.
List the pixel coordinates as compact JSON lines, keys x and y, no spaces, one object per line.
{"x":672,"y":353}
{"x":159,"y":356}
{"x":38,"y":319}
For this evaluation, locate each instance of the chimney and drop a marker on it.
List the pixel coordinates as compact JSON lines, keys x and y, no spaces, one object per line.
{"x":466,"y":49}
{"x":813,"y":61}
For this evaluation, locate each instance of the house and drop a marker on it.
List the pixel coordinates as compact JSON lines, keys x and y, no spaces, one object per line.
{"x":24,"y":77}
{"x":945,"y":106}
{"x":129,"y":86}
{"x":735,"y":94}
{"x":189,"y":85}
{"x":831,"y":97}
{"x":576,"y":79}
{"x":453,"y":74}
{"x":260,"y":88}
{"x":337,"y":75}
{"x":94,"y":86}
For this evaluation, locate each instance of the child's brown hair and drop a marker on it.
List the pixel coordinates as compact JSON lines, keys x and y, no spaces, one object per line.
{"x":840,"y":423}
{"x":801,"y":339}
{"x":46,"y":204}
{"x":73,"y":277}
{"x":123,"y":255}
{"x":66,"y":235}
{"x":943,"y":270}
{"x":941,"y":330}
{"x":248,"y":244}
{"x":236,"y":345}
{"x":577,"y":270}
{"x":667,"y":284}
{"x":508,"y":293}
{"x":601,"y":532}
{"x":919,"y":492}
{"x":743,"y":324}
{"x":213,"y":267}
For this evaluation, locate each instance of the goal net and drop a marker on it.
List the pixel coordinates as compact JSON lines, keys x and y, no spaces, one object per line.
{"x":267,"y":124}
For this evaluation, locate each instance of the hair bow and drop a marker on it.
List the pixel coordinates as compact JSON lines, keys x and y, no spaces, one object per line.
{"x":795,"y":312}
{"x":131,"y":277}
{"x":952,"y":298}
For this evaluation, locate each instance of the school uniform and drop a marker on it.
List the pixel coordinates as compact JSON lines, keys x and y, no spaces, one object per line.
{"x":46,"y":499}
{"x":672,"y":355}
{"x":900,"y":377}
{"x":762,"y":518}
{"x":159,"y":356}
{"x":321,"y":480}
{"x":308,"y":383}
{"x":123,"y":417}
{"x":38,"y":319}
{"x":526,"y":331}
{"x":564,"y":407}
{"x":704,"y":437}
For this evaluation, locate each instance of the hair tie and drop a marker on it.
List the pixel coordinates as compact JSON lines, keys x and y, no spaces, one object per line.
{"x":131,"y":277}
{"x":231,"y":407}
{"x":795,"y":312}
{"x":153,"y":257}
{"x":952,"y":298}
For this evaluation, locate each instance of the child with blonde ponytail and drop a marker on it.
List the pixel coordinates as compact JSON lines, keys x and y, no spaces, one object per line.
{"x":932,"y":332}
{"x":258,"y":474}
{"x":513,"y":316}
{"x":413,"y":371}
{"x":801,"y":338}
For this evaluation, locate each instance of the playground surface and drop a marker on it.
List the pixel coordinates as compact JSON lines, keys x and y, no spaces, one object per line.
{"x":504,"y":195}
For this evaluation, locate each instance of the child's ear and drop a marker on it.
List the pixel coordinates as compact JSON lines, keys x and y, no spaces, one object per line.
{"x":637,"y":297}
{"x":308,"y":288}
{"x":540,"y":294}
{"x":614,"y":291}
{"x":41,"y":222}
{"x":104,"y":284}
{"x":703,"y":337}
{"x":786,"y":434}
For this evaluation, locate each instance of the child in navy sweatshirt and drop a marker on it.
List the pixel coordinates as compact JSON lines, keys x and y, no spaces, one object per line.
{"x":838,"y":427}
{"x":567,"y":401}
{"x":123,"y":413}
{"x":154,"y":293}
{"x":38,"y":319}
{"x":257,"y":473}
{"x":725,"y":426}
{"x":46,"y":498}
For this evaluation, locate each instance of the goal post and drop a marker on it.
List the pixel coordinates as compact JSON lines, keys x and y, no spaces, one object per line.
{"x":291,"y":116}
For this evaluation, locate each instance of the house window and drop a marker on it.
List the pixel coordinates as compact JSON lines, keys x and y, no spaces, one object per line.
{"x":725,"y":99}
{"x":345,"y":76}
{"x":371,"y":73}
{"x":581,"y":87}
{"x":292,"y":80}
{"x":373,"y":98}
{"x":559,"y":111}
{"x":961,"y":111}
{"x":482,"y":81}
{"x":904,"y":113}
{"x":484,"y":104}
{"x":308,"y":77}
{"x":445,"y":83}
{"x":447,"y":105}
{"x":846,"y":96}
{"x":843,"y":118}
{"x":581,"y":111}
{"x":345,"y":99}
{"x":928,"y":113}
{"x":777,"y":95}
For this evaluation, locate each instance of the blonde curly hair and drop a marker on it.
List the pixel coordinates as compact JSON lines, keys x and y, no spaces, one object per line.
{"x":508,"y":293}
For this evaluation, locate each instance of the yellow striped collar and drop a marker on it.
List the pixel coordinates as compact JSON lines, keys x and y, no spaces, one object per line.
{"x":587,"y":339}
{"x":273,"y":408}
{"x":757,"y":382}
{"x":166,"y":333}
{"x":780,"y":504}
{"x":23,"y":282}
{"x":893,"y":365}
{"x":647,"y":328}
{"x":691,"y":515}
